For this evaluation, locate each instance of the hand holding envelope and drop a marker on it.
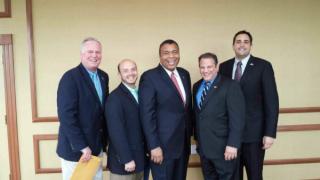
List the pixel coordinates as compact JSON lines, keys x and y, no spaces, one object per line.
{"x":87,"y":170}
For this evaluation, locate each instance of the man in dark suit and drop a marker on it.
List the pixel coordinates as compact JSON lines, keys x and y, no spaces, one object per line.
{"x":80,"y":99}
{"x":165,"y":110}
{"x":126,"y":153}
{"x":257,"y":81}
{"x":220,"y":117}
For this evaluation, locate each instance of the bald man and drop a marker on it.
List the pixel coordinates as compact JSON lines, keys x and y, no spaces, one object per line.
{"x":126,"y":153}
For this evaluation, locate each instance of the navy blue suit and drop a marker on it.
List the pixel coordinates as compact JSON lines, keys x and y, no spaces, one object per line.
{"x":81,"y":114}
{"x":219,"y":123}
{"x":166,"y":120}
{"x":262,"y":108}
{"x":126,"y":142}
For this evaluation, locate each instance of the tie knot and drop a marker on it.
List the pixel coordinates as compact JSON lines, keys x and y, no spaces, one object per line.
{"x":239,"y":63}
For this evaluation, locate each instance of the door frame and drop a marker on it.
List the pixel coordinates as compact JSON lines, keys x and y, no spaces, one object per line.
{"x":10,"y":103}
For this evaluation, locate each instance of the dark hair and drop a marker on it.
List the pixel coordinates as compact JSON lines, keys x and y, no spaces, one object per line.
{"x":168,"y":41}
{"x":242,"y":32}
{"x":209,"y":55}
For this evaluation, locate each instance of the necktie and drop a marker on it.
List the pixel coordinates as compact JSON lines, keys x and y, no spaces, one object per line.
{"x":135,"y":94}
{"x":238,"y":73}
{"x":204,"y":93}
{"x":97,"y":85}
{"x":175,"y":82}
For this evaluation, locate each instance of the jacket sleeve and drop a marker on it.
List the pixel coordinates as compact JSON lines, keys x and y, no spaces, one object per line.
{"x":117,"y":129}
{"x":271,"y":101}
{"x":147,"y":103}
{"x":236,"y":114}
{"x":67,"y":102}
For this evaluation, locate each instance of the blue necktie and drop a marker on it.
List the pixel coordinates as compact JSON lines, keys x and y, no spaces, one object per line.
{"x":135,"y":94}
{"x":97,"y":85}
{"x":204,"y":93}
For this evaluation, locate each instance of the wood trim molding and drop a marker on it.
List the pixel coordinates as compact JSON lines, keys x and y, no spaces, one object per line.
{"x":33,"y":85}
{"x":276,"y":161}
{"x":37,"y":165}
{"x":299,"y":110}
{"x":7,"y":9}
{"x":300,"y":127}
{"x":39,"y":170}
{"x":11,"y":108}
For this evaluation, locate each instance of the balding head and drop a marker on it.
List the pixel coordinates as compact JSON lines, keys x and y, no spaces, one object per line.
{"x":128,"y":72}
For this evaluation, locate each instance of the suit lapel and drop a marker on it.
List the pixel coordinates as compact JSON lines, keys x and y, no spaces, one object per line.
{"x":195,"y":91}
{"x":248,"y":69}
{"x":126,"y":91}
{"x":89,"y":82}
{"x":214,"y":87}
{"x":229,"y":68}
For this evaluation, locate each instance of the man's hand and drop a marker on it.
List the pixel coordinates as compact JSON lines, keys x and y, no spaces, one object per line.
{"x":156,"y":155}
{"x":86,"y":155}
{"x":130,"y":166}
{"x":230,"y":153}
{"x":267,"y":142}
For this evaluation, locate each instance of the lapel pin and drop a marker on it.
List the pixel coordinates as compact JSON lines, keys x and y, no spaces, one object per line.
{"x":251,"y":64}
{"x":215,"y":87}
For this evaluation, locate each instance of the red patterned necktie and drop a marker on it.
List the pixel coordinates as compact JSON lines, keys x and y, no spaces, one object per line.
{"x":175,"y":82}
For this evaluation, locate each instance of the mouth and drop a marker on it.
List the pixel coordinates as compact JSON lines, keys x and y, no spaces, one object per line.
{"x":171,"y":63}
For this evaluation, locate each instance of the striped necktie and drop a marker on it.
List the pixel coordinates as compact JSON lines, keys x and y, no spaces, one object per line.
{"x":204,"y":94}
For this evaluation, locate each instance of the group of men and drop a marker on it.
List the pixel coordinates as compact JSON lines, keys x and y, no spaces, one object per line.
{"x":232,"y":112}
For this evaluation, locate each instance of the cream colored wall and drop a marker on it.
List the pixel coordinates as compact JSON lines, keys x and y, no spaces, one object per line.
{"x":285,"y":32}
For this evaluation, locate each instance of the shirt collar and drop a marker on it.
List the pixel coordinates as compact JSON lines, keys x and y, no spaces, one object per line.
{"x":130,"y":88}
{"x":170,"y":72}
{"x":92,"y":73}
{"x":244,"y":61}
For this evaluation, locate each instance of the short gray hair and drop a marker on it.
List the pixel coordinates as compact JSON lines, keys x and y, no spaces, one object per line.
{"x":87,"y":40}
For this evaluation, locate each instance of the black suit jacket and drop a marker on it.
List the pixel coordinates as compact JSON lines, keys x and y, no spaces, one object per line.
{"x":220,"y":121}
{"x":166,"y":120}
{"x":260,"y":91}
{"x":125,"y":131}
{"x":81,"y":114}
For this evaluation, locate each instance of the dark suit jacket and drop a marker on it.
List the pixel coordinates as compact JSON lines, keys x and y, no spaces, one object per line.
{"x":261,"y":96}
{"x":221,"y":120}
{"x":80,"y":114}
{"x":125,"y":131}
{"x":166,"y":121}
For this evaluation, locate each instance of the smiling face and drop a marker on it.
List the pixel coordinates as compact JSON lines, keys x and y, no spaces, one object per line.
{"x":169,"y":56}
{"x":208,"y":69}
{"x":91,"y":55}
{"x":128,"y":72}
{"x":242,"y":46}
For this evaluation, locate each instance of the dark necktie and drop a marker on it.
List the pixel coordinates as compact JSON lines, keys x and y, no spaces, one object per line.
{"x":238,"y":73}
{"x":176,"y":84}
{"x":204,"y":93}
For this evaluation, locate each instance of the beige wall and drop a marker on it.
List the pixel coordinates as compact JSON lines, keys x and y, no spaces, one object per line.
{"x":284,"y":32}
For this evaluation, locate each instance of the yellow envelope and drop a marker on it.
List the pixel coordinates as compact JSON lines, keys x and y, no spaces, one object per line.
{"x":86,"y":171}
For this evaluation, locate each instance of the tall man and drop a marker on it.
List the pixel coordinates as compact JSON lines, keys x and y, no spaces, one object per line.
{"x":257,"y":81}
{"x":81,"y":95}
{"x":220,"y":118}
{"x":126,"y":153}
{"x":165,"y":110}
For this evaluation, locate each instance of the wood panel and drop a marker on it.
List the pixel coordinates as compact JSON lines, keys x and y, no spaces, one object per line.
{"x":7,"y":9}
{"x":11,"y":110}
